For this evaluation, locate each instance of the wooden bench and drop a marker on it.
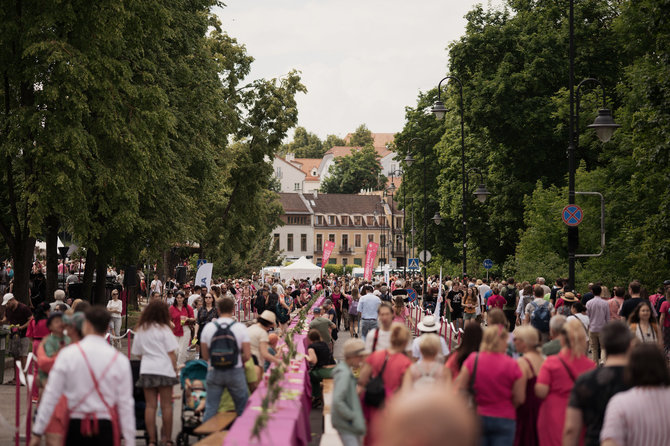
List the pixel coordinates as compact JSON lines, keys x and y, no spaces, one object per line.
{"x":215,"y":439}
{"x":217,"y":423}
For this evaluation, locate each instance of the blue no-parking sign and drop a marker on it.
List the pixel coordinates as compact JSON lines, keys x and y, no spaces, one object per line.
{"x":572,"y":215}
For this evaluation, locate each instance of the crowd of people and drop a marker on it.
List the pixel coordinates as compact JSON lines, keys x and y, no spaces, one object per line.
{"x":534,"y":365}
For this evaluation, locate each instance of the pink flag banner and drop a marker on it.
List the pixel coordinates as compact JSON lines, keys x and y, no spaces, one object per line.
{"x":370,"y":255}
{"x":328,"y":247}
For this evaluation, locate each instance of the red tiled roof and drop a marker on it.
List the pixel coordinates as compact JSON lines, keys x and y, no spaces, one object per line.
{"x":307,"y":165}
{"x":380,"y":139}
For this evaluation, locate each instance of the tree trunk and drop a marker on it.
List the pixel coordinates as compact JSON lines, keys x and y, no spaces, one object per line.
{"x":23,"y":262}
{"x":100,"y":295}
{"x":52,"y":225}
{"x":88,"y":274}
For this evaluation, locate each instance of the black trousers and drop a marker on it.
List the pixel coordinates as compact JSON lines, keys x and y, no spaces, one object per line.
{"x":105,"y":436}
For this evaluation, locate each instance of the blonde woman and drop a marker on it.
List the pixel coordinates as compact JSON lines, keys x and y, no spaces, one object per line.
{"x":428,"y":371}
{"x":555,"y":381}
{"x":498,"y":385}
{"x":527,"y":343}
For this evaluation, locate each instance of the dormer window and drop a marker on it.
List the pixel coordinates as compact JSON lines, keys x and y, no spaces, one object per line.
{"x":331,"y":219}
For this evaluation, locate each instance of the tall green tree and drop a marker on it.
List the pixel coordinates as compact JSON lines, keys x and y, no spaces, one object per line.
{"x":304,"y":145}
{"x":352,"y":173}
{"x":361,"y":137}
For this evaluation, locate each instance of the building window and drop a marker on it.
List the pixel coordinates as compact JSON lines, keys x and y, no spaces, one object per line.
{"x":382,"y":240}
{"x":357,"y":240}
{"x":318,"y":261}
{"x":382,"y":220}
{"x":319,"y":242}
{"x":332,"y":261}
{"x":331,"y":219}
{"x":345,"y":220}
{"x":371,"y":221}
{"x":331,"y":238}
{"x":345,"y":241}
{"x":289,"y":242}
{"x":398,"y":222}
{"x":296,"y":186}
{"x":357,"y":220}
{"x":275,"y":241}
{"x":319,"y":219}
{"x":371,"y":238}
{"x":303,"y":242}
{"x":344,"y":261}
{"x":278,"y":172}
{"x":358,"y":262}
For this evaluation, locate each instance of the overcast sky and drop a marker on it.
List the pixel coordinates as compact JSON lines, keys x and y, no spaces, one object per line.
{"x":362,"y":61}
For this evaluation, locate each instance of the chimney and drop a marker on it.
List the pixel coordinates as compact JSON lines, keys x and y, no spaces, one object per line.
{"x":290,"y":156}
{"x":315,"y":194}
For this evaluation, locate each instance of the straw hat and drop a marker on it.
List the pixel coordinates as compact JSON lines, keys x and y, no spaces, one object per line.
{"x":428,"y":324}
{"x":268,"y":316}
{"x":569,"y":297}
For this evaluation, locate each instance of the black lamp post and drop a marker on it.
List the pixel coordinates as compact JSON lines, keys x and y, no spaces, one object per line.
{"x":439,"y":110}
{"x":604,"y":126}
{"x":391,"y":188}
{"x":62,"y":250}
{"x":437,"y":219}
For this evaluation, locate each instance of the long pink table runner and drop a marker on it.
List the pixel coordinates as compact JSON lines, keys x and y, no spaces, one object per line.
{"x":289,"y":418}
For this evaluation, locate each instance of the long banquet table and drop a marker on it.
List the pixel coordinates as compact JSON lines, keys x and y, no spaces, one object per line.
{"x":289,"y":418}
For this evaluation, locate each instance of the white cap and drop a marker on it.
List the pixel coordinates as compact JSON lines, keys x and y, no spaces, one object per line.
{"x":7,"y":298}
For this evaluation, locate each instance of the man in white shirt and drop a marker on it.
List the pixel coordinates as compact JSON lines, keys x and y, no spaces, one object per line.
{"x":79,"y":370}
{"x":367,"y":310}
{"x":156,"y":285}
{"x":231,"y":378}
{"x":429,"y":325}
{"x":380,"y":338}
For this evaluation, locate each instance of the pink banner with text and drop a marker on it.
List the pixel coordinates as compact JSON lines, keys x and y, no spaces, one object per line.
{"x":370,"y":255}
{"x":328,"y":247}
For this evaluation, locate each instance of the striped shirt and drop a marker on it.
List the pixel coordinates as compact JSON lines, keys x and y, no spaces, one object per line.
{"x":638,"y":416}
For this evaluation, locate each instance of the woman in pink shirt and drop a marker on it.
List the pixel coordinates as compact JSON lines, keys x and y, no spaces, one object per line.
{"x":496,"y":300}
{"x":555,"y":381}
{"x":498,"y":385}
{"x":615,"y":303}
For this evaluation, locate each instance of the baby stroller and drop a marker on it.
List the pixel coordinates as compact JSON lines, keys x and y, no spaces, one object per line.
{"x":196,"y":369}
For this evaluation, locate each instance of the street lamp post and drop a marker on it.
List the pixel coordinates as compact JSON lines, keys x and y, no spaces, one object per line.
{"x":437,"y":219}
{"x":439,"y":110}
{"x":604,"y":126}
{"x":399,"y":173}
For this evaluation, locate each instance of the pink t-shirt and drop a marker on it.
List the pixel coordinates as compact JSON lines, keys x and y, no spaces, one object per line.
{"x":494,"y":378}
{"x":496,"y":301}
{"x":665,"y":306}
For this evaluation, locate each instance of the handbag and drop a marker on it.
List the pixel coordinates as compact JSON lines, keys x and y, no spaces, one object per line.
{"x":375,"y":391}
{"x":471,"y":393}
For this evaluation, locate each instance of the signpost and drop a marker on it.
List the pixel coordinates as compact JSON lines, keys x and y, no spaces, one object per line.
{"x":572,"y":215}
{"x":488,"y":264}
{"x":413,"y":264}
{"x":425,"y":256}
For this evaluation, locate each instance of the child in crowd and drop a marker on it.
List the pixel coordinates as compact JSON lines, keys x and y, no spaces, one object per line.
{"x":272,"y":348}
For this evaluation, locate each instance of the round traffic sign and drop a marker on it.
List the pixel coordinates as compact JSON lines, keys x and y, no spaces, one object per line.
{"x":488,"y":263}
{"x":572,"y":215}
{"x":425,"y":256}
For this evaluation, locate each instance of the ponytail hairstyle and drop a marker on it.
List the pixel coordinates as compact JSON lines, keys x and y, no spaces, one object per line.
{"x":574,"y":337}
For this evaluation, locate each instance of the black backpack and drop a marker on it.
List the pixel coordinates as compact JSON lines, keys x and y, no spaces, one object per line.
{"x":540,"y":317}
{"x":375,"y":392}
{"x":223,"y":349}
{"x":510,"y":295}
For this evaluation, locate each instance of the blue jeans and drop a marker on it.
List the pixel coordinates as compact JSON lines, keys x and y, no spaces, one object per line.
{"x":231,"y":379}
{"x":497,"y":431}
{"x":367,"y":325}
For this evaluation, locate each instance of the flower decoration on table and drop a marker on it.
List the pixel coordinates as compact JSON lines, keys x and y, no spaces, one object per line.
{"x":277,"y":373}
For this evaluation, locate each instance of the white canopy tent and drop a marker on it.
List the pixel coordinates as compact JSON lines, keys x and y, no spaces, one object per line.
{"x":300,"y":269}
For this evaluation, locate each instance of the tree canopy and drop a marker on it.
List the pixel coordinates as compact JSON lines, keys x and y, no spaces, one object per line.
{"x":513,"y":62}
{"x":350,"y":174}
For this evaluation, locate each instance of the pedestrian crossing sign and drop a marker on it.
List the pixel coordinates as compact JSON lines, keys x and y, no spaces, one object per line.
{"x":413,"y":264}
